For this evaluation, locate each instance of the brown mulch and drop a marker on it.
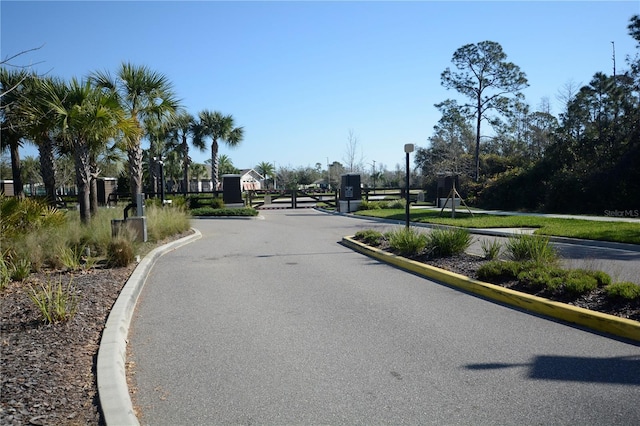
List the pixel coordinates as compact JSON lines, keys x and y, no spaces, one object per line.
{"x":47,"y":372}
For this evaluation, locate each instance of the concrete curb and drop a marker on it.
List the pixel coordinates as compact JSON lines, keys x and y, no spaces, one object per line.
{"x":113,"y":391}
{"x":600,"y":322}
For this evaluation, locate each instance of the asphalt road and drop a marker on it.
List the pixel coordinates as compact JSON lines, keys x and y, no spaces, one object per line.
{"x":272,"y":321}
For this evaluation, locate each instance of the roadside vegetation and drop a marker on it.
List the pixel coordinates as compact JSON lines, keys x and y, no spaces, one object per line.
{"x":37,"y":238}
{"x":526,"y":262}
{"x":621,"y":232}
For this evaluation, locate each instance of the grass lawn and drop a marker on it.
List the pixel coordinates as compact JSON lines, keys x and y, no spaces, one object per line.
{"x":621,"y":232}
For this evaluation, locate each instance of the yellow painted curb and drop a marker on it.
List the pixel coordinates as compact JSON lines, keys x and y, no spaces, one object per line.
{"x":597,"y":321}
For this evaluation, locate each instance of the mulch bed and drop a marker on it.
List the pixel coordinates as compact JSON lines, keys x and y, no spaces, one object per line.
{"x":47,"y":371}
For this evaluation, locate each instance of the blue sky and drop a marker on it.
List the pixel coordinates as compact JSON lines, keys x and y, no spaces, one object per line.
{"x":300,"y":75}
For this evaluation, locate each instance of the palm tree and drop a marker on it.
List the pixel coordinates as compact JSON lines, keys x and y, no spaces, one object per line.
{"x":197,"y":171}
{"x":225,"y":165}
{"x":86,"y":117}
{"x":143,"y":93}
{"x":13,"y":125}
{"x":266,"y":169}
{"x":219,"y":128}
{"x":181,"y":127}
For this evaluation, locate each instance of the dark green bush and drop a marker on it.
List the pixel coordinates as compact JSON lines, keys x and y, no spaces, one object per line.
{"x":407,"y":241}
{"x":497,"y":271}
{"x":448,"y":242}
{"x":369,"y":236}
{"x":623,"y":290}
{"x":217,"y":203}
{"x":579,"y":282}
{"x":209,"y":211}
{"x":538,"y":277}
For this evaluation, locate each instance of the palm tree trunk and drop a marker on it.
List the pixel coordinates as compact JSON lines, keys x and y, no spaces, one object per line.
{"x":214,"y":164}
{"x":185,"y":164}
{"x":48,"y":168}
{"x":16,"y":169}
{"x":135,"y":170}
{"x":93,"y":187}
{"x":83,"y":177}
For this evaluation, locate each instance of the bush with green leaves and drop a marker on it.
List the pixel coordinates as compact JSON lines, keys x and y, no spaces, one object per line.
{"x":407,"y":241}
{"x":209,"y":211}
{"x":55,"y":301}
{"x":491,"y":249}
{"x":623,"y":290}
{"x":531,"y":247}
{"x":497,"y":271}
{"x":448,"y":242}
{"x":217,"y":203}
{"x":369,"y":236}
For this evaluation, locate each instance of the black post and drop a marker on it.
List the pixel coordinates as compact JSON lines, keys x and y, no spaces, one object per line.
{"x":407,"y":194}
{"x":161,"y":182}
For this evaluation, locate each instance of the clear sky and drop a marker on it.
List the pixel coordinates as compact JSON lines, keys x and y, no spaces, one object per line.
{"x":299,"y":75}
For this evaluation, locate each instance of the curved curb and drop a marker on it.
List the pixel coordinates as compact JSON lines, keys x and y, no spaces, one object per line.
{"x":605,"y":323}
{"x":113,"y":391}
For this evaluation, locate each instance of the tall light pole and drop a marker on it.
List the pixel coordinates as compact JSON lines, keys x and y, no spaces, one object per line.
{"x":408,"y":148}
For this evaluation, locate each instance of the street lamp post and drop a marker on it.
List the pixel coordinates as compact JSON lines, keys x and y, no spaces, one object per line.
{"x":161,"y":164}
{"x":408,"y":148}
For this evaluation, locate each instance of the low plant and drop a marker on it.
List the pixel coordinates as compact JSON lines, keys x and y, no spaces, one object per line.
{"x":497,"y":271}
{"x":208,"y":211}
{"x":55,"y":301}
{"x":163,"y":222}
{"x":623,"y":290}
{"x":407,"y":241}
{"x":5,"y":276}
{"x":120,"y":252}
{"x":526,"y":247}
{"x":369,"y":236}
{"x":72,"y":257}
{"x":448,"y":242}
{"x":579,"y":282}
{"x":537,"y":276}
{"x":217,"y":203}
{"x":491,"y":249}
{"x":20,"y":269}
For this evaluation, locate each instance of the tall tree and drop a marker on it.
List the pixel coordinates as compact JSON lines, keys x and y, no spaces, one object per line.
{"x":218,"y":127}
{"x":181,"y":127}
{"x":485,"y":77}
{"x":143,"y":93}
{"x":266,"y":169}
{"x":12,"y":121}
{"x":87,"y":117}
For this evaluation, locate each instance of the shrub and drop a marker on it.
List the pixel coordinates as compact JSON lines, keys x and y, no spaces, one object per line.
{"x":370,"y":205}
{"x":448,"y":242}
{"x":601,"y":277}
{"x":407,"y":241}
{"x":579,"y":282}
{"x":491,"y":249}
{"x":369,"y":236}
{"x":497,"y":271}
{"x":208,"y":211}
{"x":537,"y":276}
{"x":20,"y":269}
{"x":217,"y":203}
{"x":623,"y":290}
{"x":5,"y":276}
{"x":529,"y":247}
{"x":120,"y":252}
{"x":54,"y":301}
{"x":396,"y":204}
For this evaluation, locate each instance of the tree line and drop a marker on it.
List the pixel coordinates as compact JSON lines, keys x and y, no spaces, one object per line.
{"x":586,"y":159}
{"x":100,"y":117}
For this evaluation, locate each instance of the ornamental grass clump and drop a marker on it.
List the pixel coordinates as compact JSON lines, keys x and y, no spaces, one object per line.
{"x":369,"y":237}
{"x":55,"y":301}
{"x":407,"y":241}
{"x":491,"y":249}
{"x":448,"y":242}
{"x":525,"y":247}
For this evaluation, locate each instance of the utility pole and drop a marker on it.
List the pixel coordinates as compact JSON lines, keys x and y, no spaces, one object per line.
{"x":613,"y":46}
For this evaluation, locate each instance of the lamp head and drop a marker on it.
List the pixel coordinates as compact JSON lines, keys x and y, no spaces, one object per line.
{"x":408,"y":147}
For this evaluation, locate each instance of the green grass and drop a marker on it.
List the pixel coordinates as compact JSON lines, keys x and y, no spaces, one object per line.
{"x":622,"y":232}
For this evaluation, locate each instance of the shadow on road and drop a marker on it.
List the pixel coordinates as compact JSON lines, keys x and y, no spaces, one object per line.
{"x":618,"y":370}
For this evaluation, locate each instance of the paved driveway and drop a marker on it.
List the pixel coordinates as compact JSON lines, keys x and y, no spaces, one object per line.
{"x":271,"y":321}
